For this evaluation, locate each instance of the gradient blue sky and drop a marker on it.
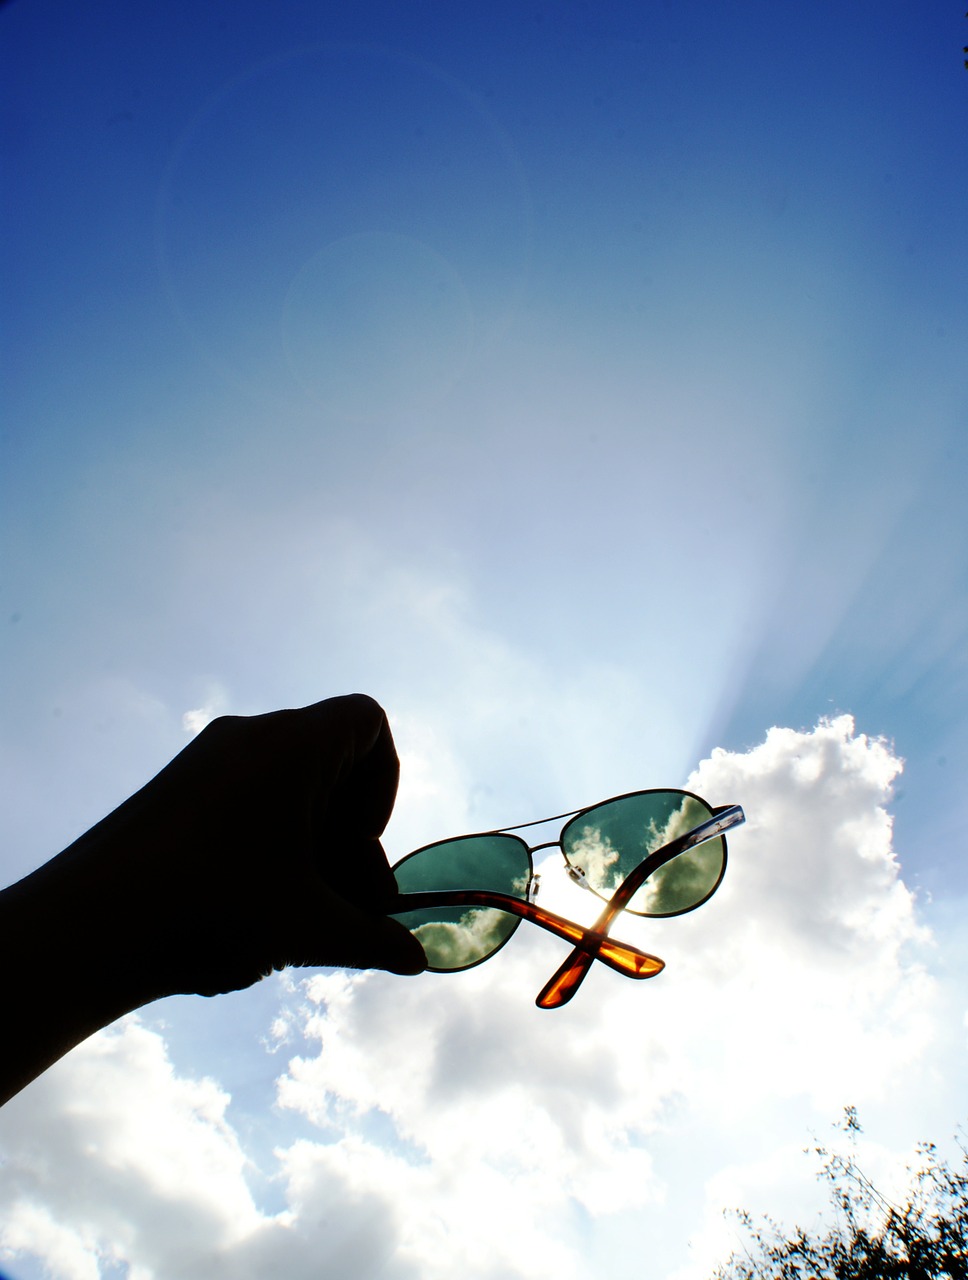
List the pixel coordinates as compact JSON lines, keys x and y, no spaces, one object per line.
{"x":586,"y":381}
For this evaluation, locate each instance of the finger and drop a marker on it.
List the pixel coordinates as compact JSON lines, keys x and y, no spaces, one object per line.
{"x":360,"y":771}
{"x":329,"y":930}
{"x":366,"y":786}
{"x":355,"y":765}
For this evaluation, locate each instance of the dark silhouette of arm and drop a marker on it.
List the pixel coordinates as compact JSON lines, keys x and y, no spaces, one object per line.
{"x":257,"y":847}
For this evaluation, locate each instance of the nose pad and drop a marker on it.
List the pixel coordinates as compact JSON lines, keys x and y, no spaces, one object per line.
{"x":577,"y":875}
{"x":533,"y":886}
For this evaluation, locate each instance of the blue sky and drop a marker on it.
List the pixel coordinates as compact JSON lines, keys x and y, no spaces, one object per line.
{"x":585,"y":382}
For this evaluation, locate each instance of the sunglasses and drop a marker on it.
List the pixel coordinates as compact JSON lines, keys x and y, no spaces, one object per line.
{"x":652,"y":853}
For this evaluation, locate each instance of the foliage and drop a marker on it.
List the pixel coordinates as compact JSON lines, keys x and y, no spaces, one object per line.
{"x":870,"y":1238}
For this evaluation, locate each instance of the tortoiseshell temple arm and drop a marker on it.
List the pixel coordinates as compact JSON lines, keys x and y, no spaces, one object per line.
{"x":591,"y":943}
{"x":566,"y":980}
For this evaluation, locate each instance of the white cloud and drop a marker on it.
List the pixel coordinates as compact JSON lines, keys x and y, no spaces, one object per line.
{"x":799,"y":986}
{"x":114,"y":1157}
{"x":134,"y":1160}
{"x":215,"y":703}
{"x":194,"y":721}
{"x":68,"y":1252}
{"x":450,"y":1127}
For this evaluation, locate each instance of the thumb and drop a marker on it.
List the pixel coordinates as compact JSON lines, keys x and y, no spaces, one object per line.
{"x":329,"y":930}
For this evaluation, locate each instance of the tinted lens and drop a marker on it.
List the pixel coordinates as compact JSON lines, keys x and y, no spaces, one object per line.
{"x":610,"y":841}
{"x":458,"y":937}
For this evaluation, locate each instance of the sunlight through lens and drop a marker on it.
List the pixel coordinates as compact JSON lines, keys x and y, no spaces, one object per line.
{"x":459,"y":937}
{"x":609,"y":841}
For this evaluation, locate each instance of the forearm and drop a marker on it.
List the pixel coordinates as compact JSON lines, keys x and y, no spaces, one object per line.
{"x":68,"y":969}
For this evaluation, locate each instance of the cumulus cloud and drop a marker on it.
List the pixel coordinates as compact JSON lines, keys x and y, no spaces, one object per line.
{"x":803,"y":982}
{"x":129,"y":1159}
{"x":115,"y":1158}
{"x":448,"y":1126}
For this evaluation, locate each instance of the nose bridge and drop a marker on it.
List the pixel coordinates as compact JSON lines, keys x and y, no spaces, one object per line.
{"x":551,"y":827}
{"x":546,"y":844}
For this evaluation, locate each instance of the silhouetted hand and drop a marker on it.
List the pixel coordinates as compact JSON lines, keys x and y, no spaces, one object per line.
{"x":257,"y":847}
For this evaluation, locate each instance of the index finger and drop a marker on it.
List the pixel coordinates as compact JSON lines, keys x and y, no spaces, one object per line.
{"x":355,"y":787}
{"x":359,"y":756}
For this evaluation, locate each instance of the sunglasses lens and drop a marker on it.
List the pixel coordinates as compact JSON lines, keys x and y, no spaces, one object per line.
{"x":459,"y":937}
{"x":610,"y":841}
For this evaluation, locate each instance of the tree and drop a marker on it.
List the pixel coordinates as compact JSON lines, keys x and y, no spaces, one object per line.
{"x":870,"y":1237}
